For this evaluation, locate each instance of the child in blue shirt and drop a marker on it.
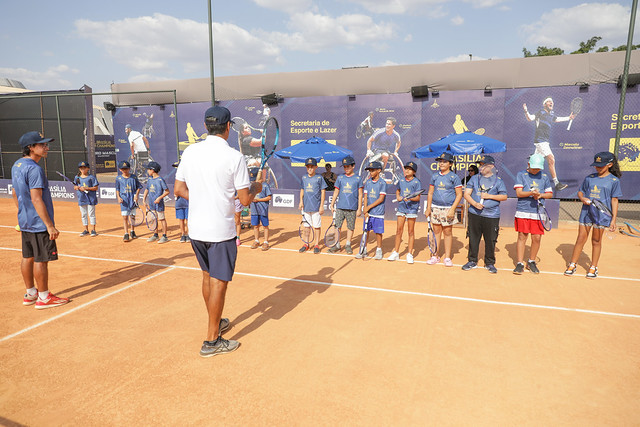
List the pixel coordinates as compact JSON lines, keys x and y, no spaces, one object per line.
{"x":407,"y":210}
{"x":86,"y":186}
{"x":127,"y":191}
{"x":603,"y":185}
{"x":375,"y":191}
{"x":260,"y":212}
{"x":311,"y":204}
{"x":346,"y":202}
{"x":156,"y":191}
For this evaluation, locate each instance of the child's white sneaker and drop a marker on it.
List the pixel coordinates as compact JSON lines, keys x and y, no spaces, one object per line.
{"x":394,"y":256}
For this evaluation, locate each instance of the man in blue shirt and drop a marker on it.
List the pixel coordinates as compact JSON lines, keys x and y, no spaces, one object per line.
{"x":35,"y":217}
{"x":484,"y":193}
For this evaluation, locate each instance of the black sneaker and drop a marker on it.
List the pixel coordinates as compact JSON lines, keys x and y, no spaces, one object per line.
{"x":334,"y":249}
{"x":532,"y":267}
{"x":316,"y":250}
{"x":134,"y":235}
{"x":560,"y":186}
{"x":492,"y":268}
{"x":469,"y":266}
{"x":303,"y":249}
{"x":519,"y":268}
{"x":219,"y":346}
{"x":126,"y":238}
{"x":84,"y":233}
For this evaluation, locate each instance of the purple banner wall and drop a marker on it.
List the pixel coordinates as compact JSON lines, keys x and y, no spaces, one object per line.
{"x":500,"y":114}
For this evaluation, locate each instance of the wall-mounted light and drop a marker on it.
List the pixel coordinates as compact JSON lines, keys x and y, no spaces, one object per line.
{"x":488,"y":91}
{"x":435,"y":93}
{"x":420,"y":91}
{"x":109,"y":106}
{"x":269,"y":99}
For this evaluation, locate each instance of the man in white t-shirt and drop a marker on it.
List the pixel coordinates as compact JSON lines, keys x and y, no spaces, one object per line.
{"x":209,"y":175}
{"x":139,"y":145}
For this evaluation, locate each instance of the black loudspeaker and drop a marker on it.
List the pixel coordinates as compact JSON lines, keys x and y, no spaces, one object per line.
{"x":109,"y":106}
{"x":632,"y":80}
{"x":270,"y":99}
{"x":419,"y":91}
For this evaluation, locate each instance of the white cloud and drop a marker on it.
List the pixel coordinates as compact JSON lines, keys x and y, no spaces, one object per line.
{"x":53,"y":77}
{"x":311,"y":32}
{"x":485,"y":3}
{"x":399,"y":7}
{"x":408,"y":38}
{"x":162,"y":43}
{"x":457,"y":20}
{"x":566,"y":28}
{"x":288,"y":6}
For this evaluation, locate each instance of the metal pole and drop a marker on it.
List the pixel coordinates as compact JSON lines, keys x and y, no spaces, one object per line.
{"x":175,"y":113}
{"x":64,"y":169}
{"x":213,"y":90}
{"x":625,"y":75}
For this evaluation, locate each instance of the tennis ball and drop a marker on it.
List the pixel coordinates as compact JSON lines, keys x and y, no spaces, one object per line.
{"x":18,"y":227}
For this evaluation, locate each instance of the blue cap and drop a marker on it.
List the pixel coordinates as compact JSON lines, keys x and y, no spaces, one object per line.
{"x":603,"y":158}
{"x":33,"y":137}
{"x":217,"y":115}
{"x":124,"y":165}
{"x":154,"y":166}
{"x":447,"y":157}
{"x":311,"y":162}
{"x":487,"y":160}
{"x":411,"y":165}
{"x":253,"y":173}
{"x":127,"y":126}
{"x":374,"y":165}
{"x":83,"y":164}
{"x":348,"y":161}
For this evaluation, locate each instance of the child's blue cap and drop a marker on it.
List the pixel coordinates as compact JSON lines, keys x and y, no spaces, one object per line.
{"x":603,"y":158}
{"x":374,"y":165}
{"x":411,"y":165}
{"x":348,"y":161}
{"x":154,"y":166}
{"x":83,"y":165}
{"x":311,"y":162}
{"x":124,"y":165}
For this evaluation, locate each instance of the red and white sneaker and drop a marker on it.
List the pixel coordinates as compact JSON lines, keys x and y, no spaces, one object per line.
{"x":29,"y":300}
{"x":51,"y":301}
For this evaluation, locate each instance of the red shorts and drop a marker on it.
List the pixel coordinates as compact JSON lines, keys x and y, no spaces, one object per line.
{"x":528,"y":226}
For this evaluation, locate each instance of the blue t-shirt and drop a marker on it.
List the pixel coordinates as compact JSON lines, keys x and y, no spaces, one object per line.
{"x":156,"y":187}
{"x":602,"y":188}
{"x":527,"y":207}
{"x":181,"y":203}
{"x":490,"y":185}
{"x":373,"y":190}
{"x":348,"y":187}
{"x":312,"y":186}
{"x":90,"y":197}
{"x":444,"y":192}
{"x":382,"y":141}
{"x":544,"y":120}
{"x":261,"y":208}
{"x":407,"y":188}
{"x":25,"y":175}
{"x":126,"y":188}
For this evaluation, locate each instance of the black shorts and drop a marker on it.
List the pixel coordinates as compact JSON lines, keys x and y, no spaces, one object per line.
{"x":217,"y":258}
{"x":39,"y":247}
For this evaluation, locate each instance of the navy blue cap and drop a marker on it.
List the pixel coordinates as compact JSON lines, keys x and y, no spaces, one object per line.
{"x":446,"y":156}
{"x":348,"y":161}
{"x":411,"y":165}
{"x":154,"y":166}
{"x":374,"y":165}
{"x":311,"y":162}
{"x":603,"y":158}
{"x":124,"y":165}
{"x":217,"y":115}
{"x":253,"y":173}
{"x":487,"y":160}
{"x":33,"y":137}
{"x":127,"y":126}
{"x":83,"y":164}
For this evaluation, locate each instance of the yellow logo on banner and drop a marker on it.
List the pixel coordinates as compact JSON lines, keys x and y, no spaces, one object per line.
{"x":628,"y":153}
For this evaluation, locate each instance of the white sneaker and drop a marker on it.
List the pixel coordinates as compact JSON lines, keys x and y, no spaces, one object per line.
{"x":433,"y":260}
{"x":409,"y":259}
{"x":378,"y":254}
{"x":394,"y":256}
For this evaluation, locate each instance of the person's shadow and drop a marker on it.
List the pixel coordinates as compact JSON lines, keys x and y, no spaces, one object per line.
{"x":128,"y":273}
{"x":566,"y":251}
{"x":288,"y":296}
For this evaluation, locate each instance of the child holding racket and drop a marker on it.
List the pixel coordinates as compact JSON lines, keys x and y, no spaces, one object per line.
{"x":182,"y":214}
{"x":484,"y":193}
{"x":346,"y":202}
{"x":375,"y":191}
{"x":445,"y":193}
{"x":127,"y":190}
{"x":603,"y":186}
{"x":86,"y":186}
{"x":153,"y":197}
{"x":260,"y":212}
{"x":311,"y":204}
{"x":531,"y":185}
{"x":407,"y":210}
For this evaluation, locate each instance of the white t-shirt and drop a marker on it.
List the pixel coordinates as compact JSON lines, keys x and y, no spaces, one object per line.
{"x":213,"y":172}
{"x":135,"y":137}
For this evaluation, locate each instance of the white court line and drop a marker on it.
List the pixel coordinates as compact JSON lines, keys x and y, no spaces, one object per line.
{"x":553,"y":273}
{"x":51,"y":319}
{"x":368,"y":288}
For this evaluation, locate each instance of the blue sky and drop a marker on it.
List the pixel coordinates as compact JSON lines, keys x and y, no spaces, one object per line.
{"x":63,"y":45}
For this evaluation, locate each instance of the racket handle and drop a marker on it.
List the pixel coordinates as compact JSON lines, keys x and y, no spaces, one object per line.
{"x":569,"y":125}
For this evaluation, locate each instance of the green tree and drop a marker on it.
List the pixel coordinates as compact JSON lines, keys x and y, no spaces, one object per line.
{"x":585,"y":47}
{"x":588,"y":46}
{"x":543,"y":51}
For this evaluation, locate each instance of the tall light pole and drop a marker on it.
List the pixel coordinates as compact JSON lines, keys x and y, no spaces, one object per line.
{"x":625,"y":75}
{"x":213,"y":89}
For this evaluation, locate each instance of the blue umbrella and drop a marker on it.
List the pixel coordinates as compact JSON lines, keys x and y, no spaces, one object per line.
{"x":314,"y":147}
{"x":461,"y":143}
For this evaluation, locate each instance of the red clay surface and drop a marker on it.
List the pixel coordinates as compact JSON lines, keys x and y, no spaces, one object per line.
{"x":326,"y":339}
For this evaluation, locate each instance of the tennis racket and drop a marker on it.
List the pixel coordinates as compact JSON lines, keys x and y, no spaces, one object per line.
{"x":576,"y":107}
{"x":486,"y":184}
{"x":74,"y":182}
{"x":479,"y":131}
{"x":306,"y":232}
{"x":151,"y":219}
{"x":543,"y":216}
{"x":136,"y":220}
{"x":432,"y":243}
{"x":332,"y":235}
{"x":363,"y":240}
{"x":599,"y":212}
{"x":270,"y":138}
{"x":410,"y":196}
{"x":239,"y":124}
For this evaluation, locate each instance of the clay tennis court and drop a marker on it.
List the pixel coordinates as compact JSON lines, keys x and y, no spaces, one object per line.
{"x":325,"y":339}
